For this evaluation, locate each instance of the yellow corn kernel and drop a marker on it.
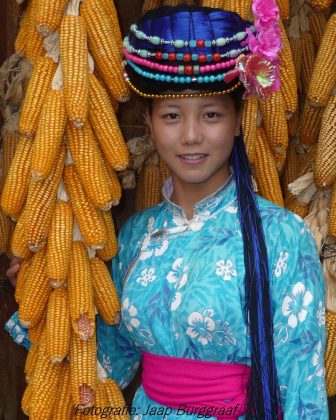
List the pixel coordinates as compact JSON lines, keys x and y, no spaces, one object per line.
{"x":63,"y":407}
{"x":58,"y":326}
{"x":113,"y":15}
{"x":35,"y":333}
{"x":59,"y":244}
{"x":37,"y":89}
{"x":49,"y":135}
{"x":36,"y":292}
{"x":284,"y":9}
{"x":114,"y":184}
{"x":310,"y":123}
{"x":332,"y":212}
{"x":149,"y":5}
{"x":21,"y":38}
{"x":45,"y":384}
{"x":165,"y":171}
{"x":106,"y":128}
{"x":26,"y":399}
{"x":5,"y":230}
{"x":249,"y":124}
{"x":15,"y":190}
{"x":21,"y":278}
{"x":293,"y":125}
{"x":323,"y":78}
{"x":49,"y":16}
{"x":75,"y":68}
{"x":329,"y":355}
{"x":148,"y":191}
{"x":105,"y":295}
{"x":80,"y":290}
{"x":115,"y":396}
{"x":111,"y":248}
{"x":101,"y":399}
{"x":320,"y":5}
{"x":274,"y":118}
{"x":172,"y":2}
{"x":291,"y":169}
{"x":19,"y":246}
{"x":90,"y":165}
{"x":294,"y":206}
{"x":317,"y":25}
{"x":105,"y":48}
{"x":31,"y":362}
{"x":34,"y":42}
{"x":40,"y":204}
{"x":280,"y":161}
{"x":10,"y":140}
{"x":308,"y":61}
{"x":296,"y":49}
{"x":266,"y":172}
{"x":83,"y":370}
{"x":287,"y":75}
{"x":90,"y":220}
{"x":325,"y":168}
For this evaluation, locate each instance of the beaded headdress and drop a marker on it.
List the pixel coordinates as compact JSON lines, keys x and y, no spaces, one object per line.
{"x":209,"y":51}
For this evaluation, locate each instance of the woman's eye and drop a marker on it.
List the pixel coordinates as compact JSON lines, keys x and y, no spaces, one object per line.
{"x":171,"y":116}
{"x":211,"y":115}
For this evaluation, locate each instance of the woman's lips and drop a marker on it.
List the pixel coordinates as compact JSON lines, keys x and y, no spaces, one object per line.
{"x":193,"y":158}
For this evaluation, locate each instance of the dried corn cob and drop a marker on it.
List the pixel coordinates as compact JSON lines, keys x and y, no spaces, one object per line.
{"x":243,"y":8}
{"x":320,"y":5}
{"x":81,"y":292}
{"x":90,"y":220}
{"x":105,"y":49}
{"x":249,"y":124}
{"x":325,"y":168}
{"x":293,"y":124}
{"x":35,"y":333}
{"x":34,"y":42}
{"x":19,"y":245}
{"x":59,"y":244}
{"x":63,"y":407}
{"x":332,"y":213}
{"x":45,"y":385}
{"x":273,"y":113}
{"x":58,"y":326}
{"x":90,"y":165}
{"x":266,"y":172}
{"x":114,"y":184}
{"x":37,"y":89}
{"x":41,"y":200}
{"x":323,"y":78}
{"x":308,"y":61}
{"x":115,"y":396}
{"x":149,"y":5}
{"x":280,"y":161}
{"x":49,"y":16}
{"x":36,"y":292}
{"x":287,"y":75}
{"x":21,"y":38}
{"x":113,"y":15}
{"x":284,"y":9}
{"x":83,"y":370}
{"x":21,"y":278}
{"x":75,"y":68}
{"x":218,"y":4}
{"x":317,"y":25}
{"x":165,"y":172}
{"x":291,"y":170}
{"x":110,"y":250}
{"x":49,"y":135}
{"x":101,"y":399}
{"x":310,"y":124}
{"x":329,"y":355}
{"x":16,"y":186}
{"x":10,"y":140}
{"x":26,"y":399}
{"x":31,"y":361}
{"x":5,"y":229}
{"x":172,"y":2}
{"x":105,"y":126}
{"x":105,"y":294}
{"x":294,"y":206}
{"x":151,"y":181}
{"x":296,"y":48}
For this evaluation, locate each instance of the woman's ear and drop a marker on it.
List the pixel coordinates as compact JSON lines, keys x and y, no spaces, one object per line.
{"x":238,"y":123}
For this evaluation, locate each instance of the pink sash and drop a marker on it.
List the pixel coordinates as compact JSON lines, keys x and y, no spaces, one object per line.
{"x":194,"y":386}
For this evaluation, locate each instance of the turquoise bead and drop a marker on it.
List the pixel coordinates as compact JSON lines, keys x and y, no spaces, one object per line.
{"x":208,"y":44}
{"x":209,"y":57}
{"x":200,"y":79}
{"x":221,"y":41}
{"x":155,"y":40}
{"x":176,"y":79}
{"x":165,"y":56}
{"x":212,"y":78}
{"x":194,"y":57}
{"x":240,"y":36}
{"x":206,"y":79}
{"x":188,"y":79}
{"x":192,"y":43}
{"x":180,"y":69}
{"x":143,"y":53}
{"x":179,"y":43}
{"x":179,"y":56}
{"x":168,"y":79}
{"x":182,"y":79}
{"x":162,"y":78}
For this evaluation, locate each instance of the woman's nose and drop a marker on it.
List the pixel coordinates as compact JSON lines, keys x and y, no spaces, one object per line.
{"x":191,"y":132}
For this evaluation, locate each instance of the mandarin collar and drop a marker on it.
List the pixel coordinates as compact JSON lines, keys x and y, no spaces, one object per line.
{"x":221,"y":197}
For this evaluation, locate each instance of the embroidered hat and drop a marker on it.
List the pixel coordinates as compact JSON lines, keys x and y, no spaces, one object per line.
{"x":210,"y":51}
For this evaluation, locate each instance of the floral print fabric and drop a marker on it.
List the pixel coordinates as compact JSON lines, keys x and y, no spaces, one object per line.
{"x":181,"y":284}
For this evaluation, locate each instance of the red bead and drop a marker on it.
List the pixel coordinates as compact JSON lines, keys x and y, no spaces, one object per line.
{"x":216,"y":57}
{"x":202,"y":58}
{"x":186,"y":57}
{"x":172,"y":57}
{"x":158,"y":55}
{"x":188,"y":70}
{"x":200,"y":43}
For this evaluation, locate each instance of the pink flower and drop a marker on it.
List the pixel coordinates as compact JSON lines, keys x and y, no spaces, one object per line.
{"x":265,"y":11}
{"x":269,"y":42}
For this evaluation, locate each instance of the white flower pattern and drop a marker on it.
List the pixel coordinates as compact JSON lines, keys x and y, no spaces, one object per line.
{"x":147,"y":276}
{"x":129,"y":313}
{"x":321,"y":314}
{"x":202,"y":326}
{"x":281,"y":265}
{"x":179,"y":277}
{"x":225,"y":269}
{"x":294,"y":305}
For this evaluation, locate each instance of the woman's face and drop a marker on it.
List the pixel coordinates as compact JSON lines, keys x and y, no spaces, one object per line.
{"x":195,"y":136}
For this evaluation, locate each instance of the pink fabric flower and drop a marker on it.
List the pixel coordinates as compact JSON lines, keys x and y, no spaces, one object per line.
{"x":269,"y":42}
{"x":265,"y":10}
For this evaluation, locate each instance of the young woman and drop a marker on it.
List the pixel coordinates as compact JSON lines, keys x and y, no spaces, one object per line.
{"x":221,"y":290}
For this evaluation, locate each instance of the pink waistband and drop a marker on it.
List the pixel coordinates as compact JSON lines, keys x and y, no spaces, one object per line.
{"x":194,"y":386}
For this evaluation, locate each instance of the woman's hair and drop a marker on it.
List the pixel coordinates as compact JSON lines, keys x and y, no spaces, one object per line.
{"x":263,"y":394}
